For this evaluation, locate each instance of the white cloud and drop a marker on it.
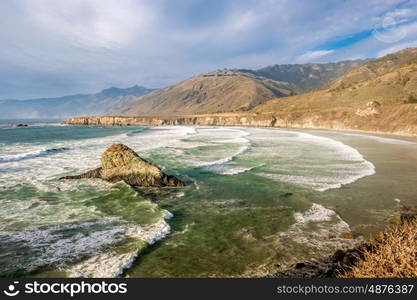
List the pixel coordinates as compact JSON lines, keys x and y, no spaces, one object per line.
{"x":102,"y":23}
{"x":312,"y":56}
{"x":409,"y":44}
{"x":51,"y":48}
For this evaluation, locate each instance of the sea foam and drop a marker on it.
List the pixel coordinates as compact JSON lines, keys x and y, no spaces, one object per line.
{"x":113,"y":263}
{"x":23,"y":156}
{"x":319,"y":229}
{"x":313,"y":161}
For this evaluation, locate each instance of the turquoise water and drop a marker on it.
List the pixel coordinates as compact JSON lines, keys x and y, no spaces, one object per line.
{"x":256,"y":200}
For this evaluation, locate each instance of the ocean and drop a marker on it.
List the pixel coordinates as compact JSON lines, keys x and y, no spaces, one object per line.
{"x":256,"y":200}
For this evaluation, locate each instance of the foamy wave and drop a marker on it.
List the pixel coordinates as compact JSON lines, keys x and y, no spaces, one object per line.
{"x":59,"y":244}
{"x":193,"y":131}
{"x":319,"y":228}
{"x":227,"y":159}
{"x":324,"y":183}
{"x":316,"y":162}
{"x":383,"y":139}
{"x":56,"y":246}
{"x":34,"y":154}
{"x":113,"y":263}
{"x":227,"y":169}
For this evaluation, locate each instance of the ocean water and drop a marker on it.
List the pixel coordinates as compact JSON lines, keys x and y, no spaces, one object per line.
{"x":256,"y":199}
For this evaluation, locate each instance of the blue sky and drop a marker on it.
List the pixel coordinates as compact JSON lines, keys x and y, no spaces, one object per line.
{"x":58,"y":47}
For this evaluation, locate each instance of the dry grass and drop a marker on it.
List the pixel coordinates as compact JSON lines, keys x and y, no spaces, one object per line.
{"x":392,"y":254}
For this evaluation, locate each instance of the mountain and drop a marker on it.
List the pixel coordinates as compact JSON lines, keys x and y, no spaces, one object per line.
{"x":219,"y":91}
{"x":380,"y":95}
{"x":215,"y":92}
{"x":103,"y":102}
{"x":235,"y":90}
{"x":306,"y":77}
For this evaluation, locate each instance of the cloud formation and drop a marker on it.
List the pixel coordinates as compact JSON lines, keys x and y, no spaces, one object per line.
{"x":53,"y":48}
{"x":311,"y":56}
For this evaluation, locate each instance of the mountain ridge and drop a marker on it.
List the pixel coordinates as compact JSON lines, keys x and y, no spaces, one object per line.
{"x":219,"y":91}
{"x":378,"y":96}
{"x":102,"y":102}
{"x":253,"y":87}
{"x":235,"y":96}
{"x":306,"y":77}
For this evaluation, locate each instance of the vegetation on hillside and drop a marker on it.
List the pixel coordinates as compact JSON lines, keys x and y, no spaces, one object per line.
{"x":391,"y":254}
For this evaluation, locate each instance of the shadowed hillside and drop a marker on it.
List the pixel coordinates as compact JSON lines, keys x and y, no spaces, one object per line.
{"x":307,"y":77}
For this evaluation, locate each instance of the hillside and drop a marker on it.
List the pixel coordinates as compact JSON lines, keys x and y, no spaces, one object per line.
{"x":235,"y":90}
{"x":219,"y":91}
{"x":75,"y":105}
{"x":306,"y":77}
{"x":380,"y":95}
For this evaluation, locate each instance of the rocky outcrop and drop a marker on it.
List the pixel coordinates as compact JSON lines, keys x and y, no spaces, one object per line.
{"x":120,"y":163}
{"x":390,"y":254}
{"x":372,"y":108}
{"x":331,"y":266}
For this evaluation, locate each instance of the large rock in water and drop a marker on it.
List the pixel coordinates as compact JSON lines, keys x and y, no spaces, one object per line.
{"x":120,"y":163}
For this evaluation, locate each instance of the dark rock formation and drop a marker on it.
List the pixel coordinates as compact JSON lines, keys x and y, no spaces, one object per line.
{"x":338,"y":263}
{"x":120,"y":163}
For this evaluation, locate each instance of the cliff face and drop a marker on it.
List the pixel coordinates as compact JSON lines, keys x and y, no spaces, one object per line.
{"x":212,"y":120}
{"x":373,"y":117}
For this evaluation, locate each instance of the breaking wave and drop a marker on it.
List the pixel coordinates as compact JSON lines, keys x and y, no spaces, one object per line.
{"x":29,"y":155}
{"x":227,"y":159}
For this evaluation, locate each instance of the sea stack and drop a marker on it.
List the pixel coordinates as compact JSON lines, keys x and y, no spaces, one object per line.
{"x":120,"y":163}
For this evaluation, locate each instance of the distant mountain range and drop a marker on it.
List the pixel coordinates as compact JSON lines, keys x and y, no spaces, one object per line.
{"x":378,"y":95}
{"x":306,"y":77}
{"x":103,"y":102}
{"x":219,"y":91}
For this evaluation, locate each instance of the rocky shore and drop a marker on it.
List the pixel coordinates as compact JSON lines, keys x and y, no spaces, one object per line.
{"x":392,"y":253}
{"x":399,"y":120}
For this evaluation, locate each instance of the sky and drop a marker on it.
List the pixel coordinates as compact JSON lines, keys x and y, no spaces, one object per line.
{"x":53,"y":48}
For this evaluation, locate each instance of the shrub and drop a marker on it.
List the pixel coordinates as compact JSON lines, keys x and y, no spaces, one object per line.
{"x":392,"y":254}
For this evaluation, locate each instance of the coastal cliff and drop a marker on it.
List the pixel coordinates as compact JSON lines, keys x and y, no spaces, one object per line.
{"x":372,"y":117}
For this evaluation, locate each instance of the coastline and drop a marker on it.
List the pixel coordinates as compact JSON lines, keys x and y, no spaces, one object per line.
{"x":388,"y":254}
{"x":336,"y":265}
{"x":242,"y":120}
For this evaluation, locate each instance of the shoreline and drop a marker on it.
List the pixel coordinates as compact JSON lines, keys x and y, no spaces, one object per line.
{"x":336,"y":265}
{"x":221,"y":120}
{"x":382,"y":256}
